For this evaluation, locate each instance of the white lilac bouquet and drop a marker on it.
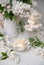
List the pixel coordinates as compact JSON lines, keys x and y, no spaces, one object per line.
{"x":17,"y":9}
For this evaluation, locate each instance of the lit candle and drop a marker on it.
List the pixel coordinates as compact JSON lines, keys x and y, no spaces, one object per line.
{"x":32,"y":21}
{"x":21,"y":45}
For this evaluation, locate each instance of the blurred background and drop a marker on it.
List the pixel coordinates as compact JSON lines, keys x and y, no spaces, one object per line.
{"x":41,"y":9}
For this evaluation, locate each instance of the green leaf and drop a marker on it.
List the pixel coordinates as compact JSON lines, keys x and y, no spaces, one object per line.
{"x":4,"y":53}
{"x":31,"y":39}
{"x":1,"y":35}
{"x":26,"y":1}
{"x":4,"y":56}
{"x":6,"y":14}
{"x":36,"y":42}
{"x":11,"y":50}
{"x":21,"y":25}
{"x":10,"y":4}
{"x":1,"y":8}
{"x":11,"y":15}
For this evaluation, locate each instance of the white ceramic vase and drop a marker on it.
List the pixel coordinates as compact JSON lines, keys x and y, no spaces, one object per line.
{"x":10,"y":28}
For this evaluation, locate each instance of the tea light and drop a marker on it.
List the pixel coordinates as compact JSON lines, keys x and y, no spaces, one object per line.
{"x":36,"y":25}
{"x":28,"y":28}
{"x":35,"y":17}
{"x":35,"y":13}
{"x":32,"y":21}
{"x":20,"y":45}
